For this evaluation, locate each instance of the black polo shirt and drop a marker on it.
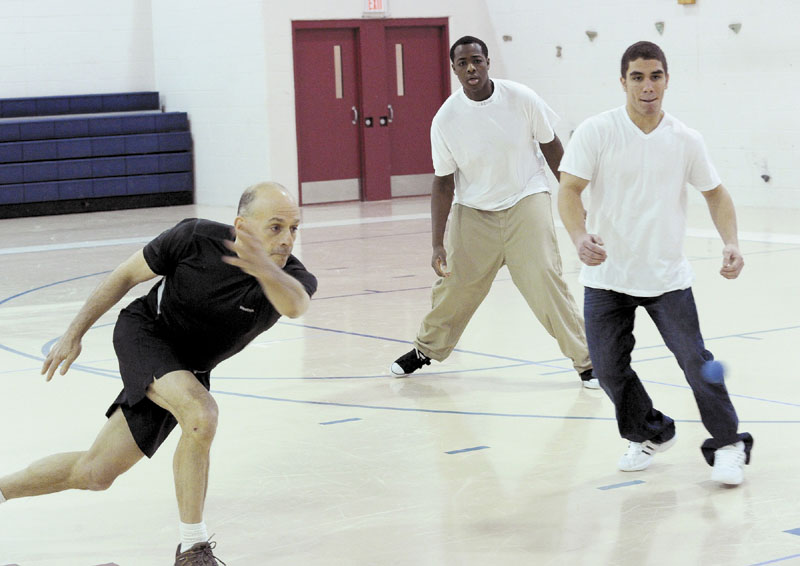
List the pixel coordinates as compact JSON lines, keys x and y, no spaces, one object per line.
{"x":208,"y":310}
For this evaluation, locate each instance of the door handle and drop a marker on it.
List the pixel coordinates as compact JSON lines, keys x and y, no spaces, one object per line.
{"x":355,"y":116}
{"x":391,"y":112}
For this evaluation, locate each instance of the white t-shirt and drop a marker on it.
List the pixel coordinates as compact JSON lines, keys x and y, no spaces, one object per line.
{"x":638,"y":198}
{"x":491,"y":145}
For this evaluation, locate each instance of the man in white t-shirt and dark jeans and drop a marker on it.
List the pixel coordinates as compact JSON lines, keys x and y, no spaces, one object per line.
{"x":486,"y":141}
{"x":637,"y":160}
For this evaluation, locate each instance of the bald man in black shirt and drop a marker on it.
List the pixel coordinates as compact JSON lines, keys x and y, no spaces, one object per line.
{"x":221,"y":286}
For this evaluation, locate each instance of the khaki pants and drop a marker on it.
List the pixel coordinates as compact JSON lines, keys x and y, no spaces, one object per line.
{"x":479,"y":243}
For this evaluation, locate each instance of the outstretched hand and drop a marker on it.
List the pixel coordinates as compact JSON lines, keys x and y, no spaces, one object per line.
{"x":63,"y":353}
{"x":732,"y":262}
{"x":590,"y":249}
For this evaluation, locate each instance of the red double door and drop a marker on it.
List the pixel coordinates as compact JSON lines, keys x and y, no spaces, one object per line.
{"x":365,"y":94}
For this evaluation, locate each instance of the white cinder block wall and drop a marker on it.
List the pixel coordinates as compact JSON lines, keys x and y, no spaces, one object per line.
{"x":53,"y":47}
{"x":210,"y":61}
{"x":229,"y":64}
{"x":736,"y":89}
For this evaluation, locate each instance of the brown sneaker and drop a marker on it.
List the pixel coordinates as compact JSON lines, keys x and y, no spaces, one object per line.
{"x":199,"y":555}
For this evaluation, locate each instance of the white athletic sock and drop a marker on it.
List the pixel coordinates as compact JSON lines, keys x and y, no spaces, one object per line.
{"x":192,"y":533}
{"x":2,"y":499}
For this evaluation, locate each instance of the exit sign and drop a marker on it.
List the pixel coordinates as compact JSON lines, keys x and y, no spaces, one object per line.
{"x":376,"y":8}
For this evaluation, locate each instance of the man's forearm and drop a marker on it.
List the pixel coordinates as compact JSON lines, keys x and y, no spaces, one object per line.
{"x":723,"y":214}
{"x":108,"y":293}
{"x":553,"y":152}
{"x":286,"y":293}
{"x":441,"y":201}
{"x":570,"y":208}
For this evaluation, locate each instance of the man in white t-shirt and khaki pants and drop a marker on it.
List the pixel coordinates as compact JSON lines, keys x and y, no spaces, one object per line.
{"x":486,"y":140}
{"x":637,"y":160}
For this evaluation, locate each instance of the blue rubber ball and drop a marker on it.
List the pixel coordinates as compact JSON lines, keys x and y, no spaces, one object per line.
{"x":713,"y":372}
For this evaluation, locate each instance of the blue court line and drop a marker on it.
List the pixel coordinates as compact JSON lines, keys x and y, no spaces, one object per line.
{"x":416,"y":409}
{"x":750,"y":253}
{"x":736,"y":395}
{"x":367,"y":292}
{"x":776,"y":560}
{"x":618,"y":485}
{"x":49,"y":344}
{"x":462,"y":450}
{"x":378,"y":376}
{"x":667,"y":357}
{"x":545,"y":363}
{"x":793,"y":531}
{"x":87,"y":369}
{"x":52,"y":285}
{"x":23,"y":354}
{"x":303,"y":243}
{"x":144,"y":239}
{"x":342,"y":421}
{"x":454,"y":412}
{"x":108,"y":373}
{"x":21,"y":370}
{"x":115,"y":375}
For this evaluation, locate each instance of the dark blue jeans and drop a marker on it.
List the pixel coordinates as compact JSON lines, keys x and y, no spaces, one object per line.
{"x":609,"y":332}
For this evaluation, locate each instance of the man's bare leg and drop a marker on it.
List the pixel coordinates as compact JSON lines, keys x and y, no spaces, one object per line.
{"x":184,"y":396}
{"x":113,"y":452}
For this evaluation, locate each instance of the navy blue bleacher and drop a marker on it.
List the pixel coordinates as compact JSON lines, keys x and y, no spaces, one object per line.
{"x":123,"y":153}
{"x":78,"y":104}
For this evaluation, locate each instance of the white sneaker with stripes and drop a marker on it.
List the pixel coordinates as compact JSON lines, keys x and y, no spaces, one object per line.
{"x":640,"y":454}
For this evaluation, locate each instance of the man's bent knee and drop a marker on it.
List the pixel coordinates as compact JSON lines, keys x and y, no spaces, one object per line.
{"x":93,"y":476}
{"x":200,"y":420}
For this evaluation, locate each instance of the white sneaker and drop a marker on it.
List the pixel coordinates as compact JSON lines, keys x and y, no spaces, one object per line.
{"x":729,"y":464}
{"x":589,"y":380}
{"x":640,"y":454}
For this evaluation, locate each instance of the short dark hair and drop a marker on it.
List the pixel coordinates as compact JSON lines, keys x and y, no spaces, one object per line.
{"x":467,"y":40}
{"x":642,"y":50}
{"x":248,"y":196}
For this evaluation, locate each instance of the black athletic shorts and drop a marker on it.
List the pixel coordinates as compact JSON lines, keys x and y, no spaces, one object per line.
{"x":144,"y":356}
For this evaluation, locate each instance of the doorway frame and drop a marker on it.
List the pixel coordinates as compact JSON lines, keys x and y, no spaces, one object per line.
{"x":374,"y":162}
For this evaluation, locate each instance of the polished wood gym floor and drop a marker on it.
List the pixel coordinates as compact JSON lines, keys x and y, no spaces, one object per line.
{"x":496,"y":456}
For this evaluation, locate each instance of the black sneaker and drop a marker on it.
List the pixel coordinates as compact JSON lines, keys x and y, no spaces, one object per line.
{"x":409,"y":363}
{"x":199,"y":554}
{"x":589,"y":380}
